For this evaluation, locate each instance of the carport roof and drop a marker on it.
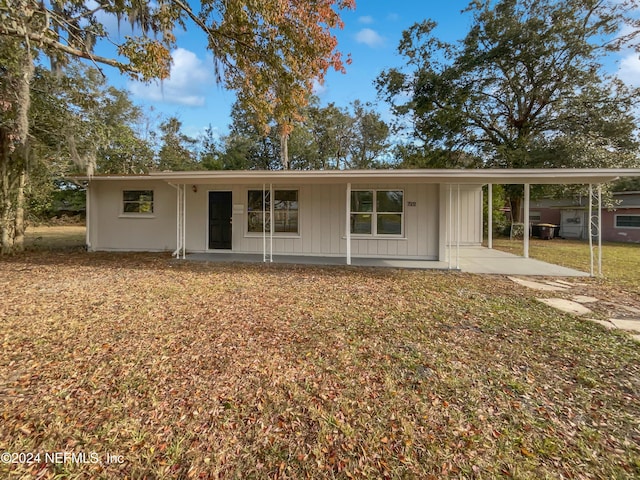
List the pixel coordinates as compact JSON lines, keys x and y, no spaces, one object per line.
{"x":457,"y":176}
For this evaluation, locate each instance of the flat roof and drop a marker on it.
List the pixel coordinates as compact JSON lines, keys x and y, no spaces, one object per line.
{"x":453,"y":176}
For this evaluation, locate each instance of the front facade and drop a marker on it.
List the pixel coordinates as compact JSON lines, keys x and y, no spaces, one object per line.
{"x":397,"y":214}
{"x":388,"y":219}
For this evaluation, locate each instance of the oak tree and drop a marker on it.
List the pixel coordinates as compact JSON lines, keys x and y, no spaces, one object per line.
{"x":269,"y":52}
{"x":525,"y":87}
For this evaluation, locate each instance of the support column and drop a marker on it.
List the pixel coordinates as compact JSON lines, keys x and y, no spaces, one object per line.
{"x":271,"y":202}
{"x":595,"y":226}
{"x":490,"y":215}
{"x":348,"y":223}
{"x":181,"y":212}
{"x":264,"y":223}
{"x":458,"y":230}
{"x":527,"y":194}
{"x":184,"y":220}
{"x":87,"y":216}
{"x":450,"y":226}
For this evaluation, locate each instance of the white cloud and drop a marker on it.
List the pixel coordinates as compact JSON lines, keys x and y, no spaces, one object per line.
{"x":319,"y":88}
{"x":369,"y":37}
{"x":189,"y":79}
{"x":367,"y":19}
{"x":629,"y":70}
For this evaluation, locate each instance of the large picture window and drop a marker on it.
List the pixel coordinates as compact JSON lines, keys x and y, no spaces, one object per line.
{"x":627,"y":221}
{"x":285,"y":211}
{"x":137,"y":201}
{"x":377,"y":212}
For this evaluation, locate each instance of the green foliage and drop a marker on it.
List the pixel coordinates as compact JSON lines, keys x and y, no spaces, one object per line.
{"x":329,"y":137}
{"x":524,"y":88}
{"x":177,"y":150}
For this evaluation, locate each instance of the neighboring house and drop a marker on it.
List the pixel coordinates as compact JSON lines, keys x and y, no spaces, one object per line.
{"x":409,"y":214}
{"x":619,"y":224}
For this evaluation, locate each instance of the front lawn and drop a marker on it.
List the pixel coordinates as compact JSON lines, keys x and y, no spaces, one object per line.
{"x":154,"y":368}
{"x":620,"y":261}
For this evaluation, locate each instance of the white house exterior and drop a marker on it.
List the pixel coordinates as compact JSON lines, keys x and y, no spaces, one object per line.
{"x":407,"y":214}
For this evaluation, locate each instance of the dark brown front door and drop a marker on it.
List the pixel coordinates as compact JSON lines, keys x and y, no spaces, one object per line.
{"x":220,"y":214}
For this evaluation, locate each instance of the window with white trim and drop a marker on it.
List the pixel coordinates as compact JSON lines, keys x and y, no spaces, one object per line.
{"x":627,"y":221}
{"x":377,"y":212}
{"x":137,"y":202}
{"x":285,"y":211}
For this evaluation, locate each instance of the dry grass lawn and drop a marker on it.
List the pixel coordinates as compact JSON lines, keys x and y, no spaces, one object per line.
{"x":154,"y":368}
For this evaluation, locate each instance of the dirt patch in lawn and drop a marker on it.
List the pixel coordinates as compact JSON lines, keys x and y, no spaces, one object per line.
{"x":155,"y":368}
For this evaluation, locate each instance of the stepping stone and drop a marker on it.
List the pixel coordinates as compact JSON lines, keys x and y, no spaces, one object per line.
{"x":605,"y":323}
{"x":584,"y":299}
{"x":557,"y":284}
{"x":564,"y":282}
{"x":636,"y":338}
{"x":626,"y":324}
{"x":537,"y":285}
{"x":630,"y":309}
{"x":566,"y":306}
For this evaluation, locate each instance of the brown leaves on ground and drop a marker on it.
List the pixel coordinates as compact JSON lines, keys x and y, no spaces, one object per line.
{"x":192,"y":370}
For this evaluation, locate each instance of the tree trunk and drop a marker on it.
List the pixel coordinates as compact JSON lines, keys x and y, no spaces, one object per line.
{"x":6,"y":207}
{"x":284,"y":150}
{"x":14,"y":146}
{"x":516,"y":209}
{"x":19,"y":227}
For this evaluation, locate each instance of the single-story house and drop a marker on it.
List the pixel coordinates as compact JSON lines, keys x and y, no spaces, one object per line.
{"x":619,"y":224}
{"x":407,"y":214}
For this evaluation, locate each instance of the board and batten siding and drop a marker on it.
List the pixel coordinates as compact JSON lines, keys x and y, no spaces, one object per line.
{"x":322,"y":210}
{"x":322,"y":222}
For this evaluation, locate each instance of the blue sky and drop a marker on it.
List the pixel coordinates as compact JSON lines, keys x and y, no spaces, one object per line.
{"x":370,"y":35}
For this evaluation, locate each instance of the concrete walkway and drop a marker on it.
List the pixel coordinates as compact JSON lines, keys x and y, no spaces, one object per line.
{"x":470,"y":260}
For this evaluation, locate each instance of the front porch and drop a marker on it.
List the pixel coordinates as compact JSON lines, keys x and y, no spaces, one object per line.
{"x":471,"y":259}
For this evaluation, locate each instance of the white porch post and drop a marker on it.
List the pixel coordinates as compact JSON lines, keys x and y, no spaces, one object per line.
{"x":595,"y":226}
{"x":458,"y":230}
{"x":527,"y":194}
{"x":184,"y":220}
{"x":450,"y":226}
{"x":348,"y":223}
{"x":180,"y":214}
{"x":271,"y":202}
{"x":490,"y":215}
{"x":600,"y":229}
{"x":264,"y":224}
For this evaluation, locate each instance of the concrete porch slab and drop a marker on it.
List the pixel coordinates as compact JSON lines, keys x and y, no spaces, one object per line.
{"x":470,"y":260}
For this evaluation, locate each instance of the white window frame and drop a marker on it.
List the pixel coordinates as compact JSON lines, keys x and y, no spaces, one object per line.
{"x":124,"y":213}
{"x":374,"y":214}
{"x":625,"y":215}
{"x":276,"y":234}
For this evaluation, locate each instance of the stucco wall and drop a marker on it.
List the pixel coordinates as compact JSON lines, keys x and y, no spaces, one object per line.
{"x":111,"y":229}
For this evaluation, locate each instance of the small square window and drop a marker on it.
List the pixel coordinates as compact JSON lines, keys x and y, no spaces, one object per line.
{"x":137,"y":201}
